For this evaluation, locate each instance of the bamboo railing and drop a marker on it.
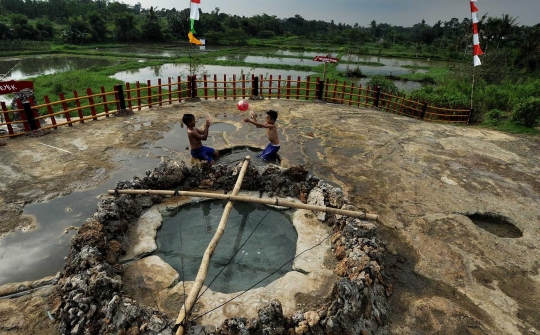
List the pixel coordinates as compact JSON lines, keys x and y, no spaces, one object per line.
{"x":30,"y":116}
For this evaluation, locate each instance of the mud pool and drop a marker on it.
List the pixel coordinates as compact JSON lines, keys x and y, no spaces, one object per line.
{"x":257,"y":247}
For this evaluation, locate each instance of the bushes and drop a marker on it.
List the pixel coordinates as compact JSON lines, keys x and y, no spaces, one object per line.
{"x":527,"y":113}
{"x":493,"y":117}
{"x":386,"y":84}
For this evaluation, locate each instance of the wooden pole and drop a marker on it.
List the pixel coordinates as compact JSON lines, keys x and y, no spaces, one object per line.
{"x":203,"y":269}
{"x":472,"y":89}
{"x":267,"y":201}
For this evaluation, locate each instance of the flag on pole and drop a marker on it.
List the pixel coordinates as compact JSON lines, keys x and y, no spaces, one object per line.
{"x":476,"y":41}
{"x":194,"y":15}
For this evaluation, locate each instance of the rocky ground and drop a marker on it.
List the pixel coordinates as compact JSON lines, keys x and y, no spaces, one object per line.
{"x":449,"y":276}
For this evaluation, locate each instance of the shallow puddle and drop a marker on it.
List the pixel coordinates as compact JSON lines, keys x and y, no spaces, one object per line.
{"x":257,"y":247}
{"x":496,"y":225}
{"x":40,"y":252}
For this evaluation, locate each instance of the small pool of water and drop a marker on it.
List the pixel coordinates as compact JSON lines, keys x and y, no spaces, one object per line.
{"x":258,"y":244}
{"x":496,"y":225}
{"x":237,"y":154}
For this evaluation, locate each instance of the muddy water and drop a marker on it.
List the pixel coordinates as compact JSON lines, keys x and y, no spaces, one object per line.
{"x":256,"y":248}
{"x":39,"y":253}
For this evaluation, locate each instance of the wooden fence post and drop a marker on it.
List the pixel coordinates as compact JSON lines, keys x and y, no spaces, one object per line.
{"x":91,"y":102}
{"x":243,"y":86}
{"x":160,"y":100}
{"x":470,"y":115}
{"x":24,"y":115}
{"x":29,"y":115}
{"x":65,"y":108}
{"x":128,"y":92}
{"x":35,"y":113}
{"x":103,"y":96}
{"x":193,"y":81}
{"x":78,"y":103}
{"x":6,"y":117}
{"x":320,"y":89}
{"x":169,"y":87}
{"x":149,"y":92}
{"x":50,"y":110}
{"x":377,"y":96}
{"x":424,"y":110}
{"x":255,"y":86}
{"x":121,"y":102}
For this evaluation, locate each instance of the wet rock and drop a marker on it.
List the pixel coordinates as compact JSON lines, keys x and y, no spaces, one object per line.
{"x":354,"y":310}
{"x":236,"y":326}
{"x":272,"y":320}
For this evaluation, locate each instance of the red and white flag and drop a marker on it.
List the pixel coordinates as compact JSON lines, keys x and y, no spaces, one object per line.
{"x":476,"y":41}
{"x":194,"y":9}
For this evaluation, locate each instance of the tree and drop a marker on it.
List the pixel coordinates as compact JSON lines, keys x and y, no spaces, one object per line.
{"x":178,"y":23}
{"x":80,"y":31}
{"x":151,"y":29}
{"x":4,"y":31}
{"x":98,"y":26}
{"x":529,"y":48}
{"x":45,"y":30}
{"x":125,"y":28}
{"x":22,"y":29}
{"x":375,"y":31}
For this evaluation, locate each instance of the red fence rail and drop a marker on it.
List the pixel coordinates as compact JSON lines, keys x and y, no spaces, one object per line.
{"x":29,"y":116}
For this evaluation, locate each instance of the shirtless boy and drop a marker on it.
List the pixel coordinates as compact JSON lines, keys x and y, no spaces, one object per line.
{"x":271,"y":130}
{"x":196,"y":136}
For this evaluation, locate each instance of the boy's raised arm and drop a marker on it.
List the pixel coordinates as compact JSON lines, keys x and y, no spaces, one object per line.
{"x":202,"y":134}
{"x":253,"y":121}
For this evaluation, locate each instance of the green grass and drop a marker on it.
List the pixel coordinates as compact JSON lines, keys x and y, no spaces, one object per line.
{"x":434,"y":74}
{"x":510,"y":127}
{"x":67,"y":82}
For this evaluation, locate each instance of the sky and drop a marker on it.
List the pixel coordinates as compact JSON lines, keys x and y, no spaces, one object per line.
{"x":395,"y":12}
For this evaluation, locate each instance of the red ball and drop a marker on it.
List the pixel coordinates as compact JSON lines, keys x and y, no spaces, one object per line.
{"x":242,"y":105}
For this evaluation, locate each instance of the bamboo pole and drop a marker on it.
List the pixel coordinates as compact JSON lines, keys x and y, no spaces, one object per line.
{"x":203,"y":269}
{"x":472,"y":89}
{"x":267,"y":201}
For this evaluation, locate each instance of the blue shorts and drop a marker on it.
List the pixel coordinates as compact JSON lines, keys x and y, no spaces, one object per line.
{"x":269,"y":152}
{"x":203,"y":153}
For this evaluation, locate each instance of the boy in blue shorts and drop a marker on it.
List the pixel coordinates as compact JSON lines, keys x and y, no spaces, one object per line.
{"x":272,"y":148}
{"x":196,"y":136}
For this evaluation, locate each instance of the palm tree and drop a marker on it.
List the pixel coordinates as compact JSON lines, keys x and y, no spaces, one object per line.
{"x":506,"y":27}
{"x":529,"y":46}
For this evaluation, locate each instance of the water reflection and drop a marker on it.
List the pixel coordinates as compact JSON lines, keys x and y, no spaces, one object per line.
{"x":271,"y":60}
{"x":386,"y":70}
{"x":175,"y":70}
{"x":35,"y":66}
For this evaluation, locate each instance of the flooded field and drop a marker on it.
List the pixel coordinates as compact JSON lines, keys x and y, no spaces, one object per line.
{"x":32,"y":66}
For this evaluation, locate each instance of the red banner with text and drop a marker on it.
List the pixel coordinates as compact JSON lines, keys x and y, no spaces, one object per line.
{"x":326,"y":59}
{"x":13,"y":86}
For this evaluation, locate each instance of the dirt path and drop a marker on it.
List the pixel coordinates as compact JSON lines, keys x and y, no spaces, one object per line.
{"x":449,"y":275}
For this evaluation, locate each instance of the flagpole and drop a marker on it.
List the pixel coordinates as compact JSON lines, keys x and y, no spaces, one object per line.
{"x":472,"y":88}
{"x":476,"y":44}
